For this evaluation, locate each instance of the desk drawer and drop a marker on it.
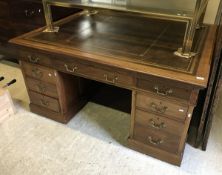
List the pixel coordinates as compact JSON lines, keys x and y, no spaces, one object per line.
{"x":110,"y":76}
{"x":27,"y":12}
{"x":161,"y":106}
{"x":39,"y":72}
{"x":35,"y":58}
{"x":44,"y":101}
{"x":164,"y":89}
{"x":163,"y":124}
{"x":42,"y":87}
{"x":107,"y":76}
{"x":125,"y":78}
{"x":157,"y":139}
{"x":4,"y":12}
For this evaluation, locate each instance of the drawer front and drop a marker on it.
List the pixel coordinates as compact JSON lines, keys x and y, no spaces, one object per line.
{"x":125,"y":79}
{"x":42,"y":87}
{"x":152,"y":121}
{"x":105,"y":75}
{"x":161,"y":106}
{"x":35,"y":58}
{"x":4,"y":12}
{"x":44,"y":101}
{"x":33,"y":13}
{"x":39,"y":72}
{"x":28,"y":12}
{"x":6,"y":32}
{"x":157,"y":139}
{"x":164,"y":89}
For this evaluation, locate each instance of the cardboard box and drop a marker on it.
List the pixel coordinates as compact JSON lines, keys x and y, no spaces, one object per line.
{"x":6,"y":105}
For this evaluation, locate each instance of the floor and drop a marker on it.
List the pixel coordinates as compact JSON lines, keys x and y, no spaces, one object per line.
{"x":92,"y":143}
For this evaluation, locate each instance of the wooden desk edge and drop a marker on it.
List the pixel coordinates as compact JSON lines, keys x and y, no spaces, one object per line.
{"x":199,"y":80}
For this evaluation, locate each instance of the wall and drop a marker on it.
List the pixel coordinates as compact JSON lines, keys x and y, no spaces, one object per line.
{"x":211,"y":11}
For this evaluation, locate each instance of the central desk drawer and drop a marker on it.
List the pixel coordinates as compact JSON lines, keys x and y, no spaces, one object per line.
{"x":39,"y":72}
{"x":110,"y":76}
{"x":163,"y":124}
{"x":44,"y":101}
{"x":161,"y":106}
{"x":42,"y":87}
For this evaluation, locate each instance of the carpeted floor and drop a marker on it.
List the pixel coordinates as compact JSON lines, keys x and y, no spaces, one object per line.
{"x":93,"y":143}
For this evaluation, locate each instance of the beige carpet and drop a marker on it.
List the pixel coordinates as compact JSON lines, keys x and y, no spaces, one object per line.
{"x":93,"y":143}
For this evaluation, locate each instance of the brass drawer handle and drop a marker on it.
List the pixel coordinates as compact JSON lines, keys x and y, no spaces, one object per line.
{"x":155,"y":142}
{"x":32,"y":13}
{"x":44,"y":103}
{"x":37,"y":73}
{"x":158,"y":108}
{"x":69,"y":69}
{"x":33,"y":59}
{"x":41,"y":88}
{"x":156,"y":125}
{"x":110,"y":80}
{"x":163,"y":92}
{"x":29,"y":13}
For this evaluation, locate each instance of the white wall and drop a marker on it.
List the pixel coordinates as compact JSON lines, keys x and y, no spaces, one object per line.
{"x":211,"y":11}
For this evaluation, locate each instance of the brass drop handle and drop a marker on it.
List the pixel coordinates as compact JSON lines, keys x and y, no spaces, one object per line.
{"x":37,"y":73}
{"x":29,"y":13}
{"x":163,"y":92}
{"x":110,"y":80}
{"x":68,"y":69}
{"x":33,"y":59}
{"x":44,"y":102}
{"x":41,"y":88}
{"x":155,"y":142}
{"x":158,"y":108}
{"x":157,"y":125}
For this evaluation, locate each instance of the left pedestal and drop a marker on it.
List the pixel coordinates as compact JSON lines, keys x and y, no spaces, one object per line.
{"x":53,"y":94}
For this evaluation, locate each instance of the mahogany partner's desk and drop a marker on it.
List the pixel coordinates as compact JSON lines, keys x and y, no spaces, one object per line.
{"x":120,"y":50}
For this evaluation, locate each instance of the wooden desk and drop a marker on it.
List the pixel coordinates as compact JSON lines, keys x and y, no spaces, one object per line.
{"x":120,"y":50}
